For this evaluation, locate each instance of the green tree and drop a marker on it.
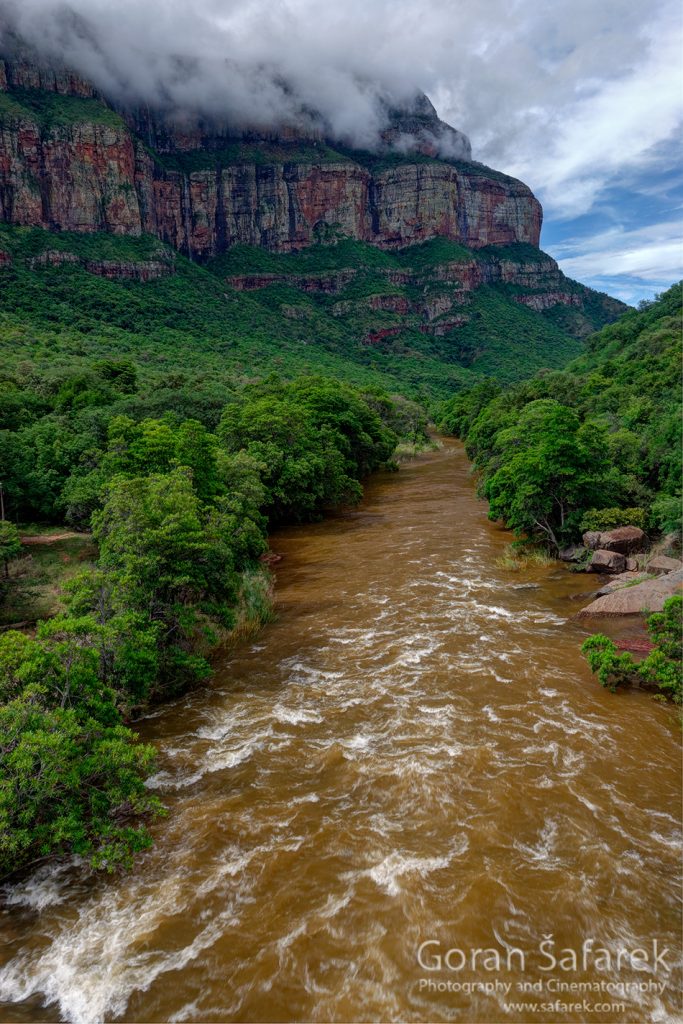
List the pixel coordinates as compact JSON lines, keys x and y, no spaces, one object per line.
{"x":554,"y":466}
{"x":71,"y":775}
{"x":171,"y":560}
{"x":10,"y":544}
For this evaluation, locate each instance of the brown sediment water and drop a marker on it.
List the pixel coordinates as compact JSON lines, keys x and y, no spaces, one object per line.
{"x":415,"y":751}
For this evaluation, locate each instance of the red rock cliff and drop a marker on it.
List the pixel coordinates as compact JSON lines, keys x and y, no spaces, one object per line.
{"x":68,"y":161}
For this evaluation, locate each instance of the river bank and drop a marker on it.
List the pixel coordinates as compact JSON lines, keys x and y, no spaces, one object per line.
{"x":414,"y":749}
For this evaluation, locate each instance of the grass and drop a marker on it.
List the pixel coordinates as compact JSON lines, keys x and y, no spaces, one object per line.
{"x":516,"y":560}
{"x":255,"y":605}
{"x":405,"y":451}
{"x":33,"y":589}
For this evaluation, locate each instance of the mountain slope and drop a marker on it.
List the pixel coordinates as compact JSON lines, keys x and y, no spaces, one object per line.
{"x":383,"y":318}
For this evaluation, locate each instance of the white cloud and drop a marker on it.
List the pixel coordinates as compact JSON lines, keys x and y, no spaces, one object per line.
{"x":573,"y":96}
{"x":565,"y":94}
{"x":629,"y":264}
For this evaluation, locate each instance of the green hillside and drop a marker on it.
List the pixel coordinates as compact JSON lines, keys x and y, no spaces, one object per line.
{"x":190,"y":332}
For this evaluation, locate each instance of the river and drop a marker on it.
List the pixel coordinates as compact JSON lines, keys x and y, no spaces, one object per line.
{"x":415,"y":751}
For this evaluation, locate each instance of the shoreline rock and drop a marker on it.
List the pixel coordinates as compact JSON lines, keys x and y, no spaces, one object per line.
{"x":642,"y":598}
{"x":607,"y":561}
{"x":626,"y":540}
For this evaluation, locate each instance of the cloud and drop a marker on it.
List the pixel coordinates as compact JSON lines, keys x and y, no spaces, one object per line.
{"x":572,"y":96}
{"x":648,"y":253}
{"x":563,"y":94}
{"x":630,"y":264}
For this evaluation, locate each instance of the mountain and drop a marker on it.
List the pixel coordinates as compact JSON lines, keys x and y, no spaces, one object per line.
{"x":412,"y":258}
{"x":72,"y":163}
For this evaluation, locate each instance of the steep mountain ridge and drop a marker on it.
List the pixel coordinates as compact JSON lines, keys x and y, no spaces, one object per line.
{"x":69,"y":161}
{"x":397,"y":259}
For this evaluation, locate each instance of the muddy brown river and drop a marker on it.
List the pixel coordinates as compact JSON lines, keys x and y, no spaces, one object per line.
{"x":414,"y":756}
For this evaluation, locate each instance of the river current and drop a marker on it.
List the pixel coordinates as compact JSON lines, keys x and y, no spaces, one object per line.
{"x":414,"y":751}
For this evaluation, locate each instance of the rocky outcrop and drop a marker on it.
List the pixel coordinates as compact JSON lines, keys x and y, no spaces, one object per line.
{"x":441,"y":328}
{"x":130,"y":270}
{"x":418,"y":127}
{"x":415,"y":202}
{"x":24,"y":74}
{"x":661,"y":564}
{"x":624,"y":579}
{"x":546,"y":300}
{"x":68,"y":177}
{"x":202,"y":189}
{"x":435,"y":304}
{"x":648,"y":596}
{"x":115,"y":270}
{"x":325,"y":284}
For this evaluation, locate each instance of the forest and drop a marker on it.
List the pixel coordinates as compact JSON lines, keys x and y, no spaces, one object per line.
{"x":589,"y":447}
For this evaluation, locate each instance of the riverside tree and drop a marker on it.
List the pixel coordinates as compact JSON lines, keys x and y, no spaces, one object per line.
{"x":554,"y":465}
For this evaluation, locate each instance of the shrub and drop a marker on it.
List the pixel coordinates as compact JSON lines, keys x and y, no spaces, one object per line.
{"x":611,"y":518}
{"x":663,"y":666}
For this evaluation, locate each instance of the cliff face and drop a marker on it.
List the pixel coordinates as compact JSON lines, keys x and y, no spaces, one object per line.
{"x":68,"y":161}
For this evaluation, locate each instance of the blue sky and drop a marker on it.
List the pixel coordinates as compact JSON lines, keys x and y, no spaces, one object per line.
{"x":628,"y":243}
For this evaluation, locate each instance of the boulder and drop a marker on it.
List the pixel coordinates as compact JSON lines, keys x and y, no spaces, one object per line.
{"x":575,"y":553}
{"x":625,"y":539}
{"x":591,"y":539}
{"x":607,"y":561}
{"x":671,"y":543}
{"x":631,"y":564}
{"x":661,"y":564}
{"x":648,"y":596}
{"x":622,"y":580}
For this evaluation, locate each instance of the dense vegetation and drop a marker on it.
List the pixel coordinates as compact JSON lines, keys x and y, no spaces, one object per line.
{"x":200,"y":334}
{"x":179,"y":514}
{"x":595,"y":443}
{"x":660,"y":670}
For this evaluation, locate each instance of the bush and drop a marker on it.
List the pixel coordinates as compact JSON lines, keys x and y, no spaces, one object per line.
{"x":666,"y":514}
{"x":661,"y":669}
{"x":610,"y":518}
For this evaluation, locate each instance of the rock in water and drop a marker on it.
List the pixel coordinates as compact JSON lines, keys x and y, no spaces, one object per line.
{"x":574,"y":553}
{"x":622,"y":580}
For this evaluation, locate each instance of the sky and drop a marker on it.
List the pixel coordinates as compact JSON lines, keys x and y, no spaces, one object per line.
{"x":581,"y":99}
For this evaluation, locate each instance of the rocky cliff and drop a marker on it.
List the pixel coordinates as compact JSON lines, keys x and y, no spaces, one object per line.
{"x":69,"y":161}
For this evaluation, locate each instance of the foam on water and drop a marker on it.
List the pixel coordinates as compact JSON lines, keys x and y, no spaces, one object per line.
{"x":395,"y":865}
